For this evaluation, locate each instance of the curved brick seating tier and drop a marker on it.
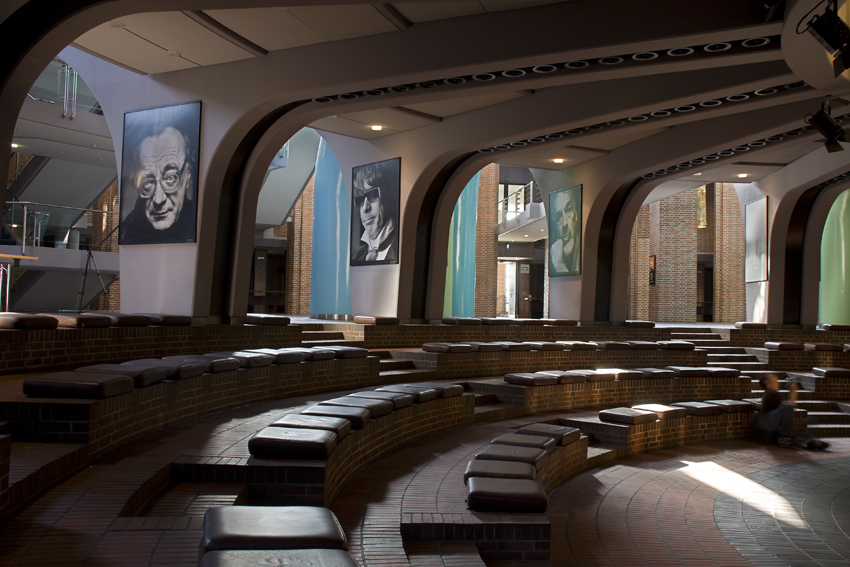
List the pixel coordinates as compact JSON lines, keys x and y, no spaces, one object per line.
{"x":210,"y":363}
{"x":125,"y":319}
{"x":292,"y":443}
{"x":290,"y":557}
{"x":397,"y":399}
{"x":26,"y":322}
{"x":368,"y":320}
{"x":340,"y":426}
{"x":266,"y":319}
{"x":281,"y":355}
{"x":80,"y":320}
{"x":167,"y":320}
{"x":174,"y":369}
{"x":499,"y":469}
{"x":143,"y":376}
{"x":506,"y":495}
{"x":82,"y":385}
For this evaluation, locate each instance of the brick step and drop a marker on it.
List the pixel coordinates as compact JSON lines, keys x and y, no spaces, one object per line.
{"x":691,"y":330}
{"x":756,"y":374}
{"x":696,"y":336}
{"x":739,"y":365}
{"x":721,"y":349}
{"x":599,"y":455}
{"x":815,"y":405}
{"x":498,"y":412}
{"x":829,"y":430}
{"x":432,"y":553}
{"x":331,"y":342}
{"x":382,"y":354}
{"x":830,"y":417}
{"x":391,"y":364}
{"x":409,"y":375}
{"x":322,"y":336}
{"x":732,"y":357}
{"x":485,"y":399}
{"x":802,"y":395}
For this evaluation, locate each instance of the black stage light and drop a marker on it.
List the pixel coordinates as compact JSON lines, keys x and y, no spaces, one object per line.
{"x":828,"y":128}
{"x":834,"y":35}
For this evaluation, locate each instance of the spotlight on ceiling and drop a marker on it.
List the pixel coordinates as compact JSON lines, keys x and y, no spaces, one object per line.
{"x":828,"y":128}
{"x":833,"y":34}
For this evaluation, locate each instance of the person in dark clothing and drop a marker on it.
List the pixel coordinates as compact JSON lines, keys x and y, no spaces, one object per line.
{"x":777,"y":416}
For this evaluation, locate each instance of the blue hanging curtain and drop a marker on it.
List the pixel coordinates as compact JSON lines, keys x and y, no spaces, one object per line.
{"x":330,"y":285}
{"x":460,"y":282}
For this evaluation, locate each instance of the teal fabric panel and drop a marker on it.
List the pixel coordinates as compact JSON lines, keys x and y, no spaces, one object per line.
{"x":330,"y":284}
{"x":834,"y":261}
{"x":462,"y":250}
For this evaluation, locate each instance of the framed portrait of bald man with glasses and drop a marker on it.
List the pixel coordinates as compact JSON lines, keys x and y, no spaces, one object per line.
{"x":374,"y":212}
{"x":159,"y":175}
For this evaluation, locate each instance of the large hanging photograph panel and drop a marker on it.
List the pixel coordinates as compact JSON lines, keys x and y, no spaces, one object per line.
{"x":565,"y":232}
{"x":374,"y":212}
{"x":755,"y":240}
{"x":159,"y":175}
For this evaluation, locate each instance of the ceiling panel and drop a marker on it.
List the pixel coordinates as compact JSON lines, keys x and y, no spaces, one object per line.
{"x":540,"y":157}
{"x":358,"y":124}
{"x":443,"y":108}
{"x":270,"y":28}
{"x":346,"y":127}
{"x":616,"y":138}
{"x":430,"y":11}
{"x":121,"y":45}
{"x":343,"y":22}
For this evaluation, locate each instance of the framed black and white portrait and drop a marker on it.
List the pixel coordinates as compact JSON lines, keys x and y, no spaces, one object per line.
{"x":565,"y":231}
{"x":375,"y":212}
{"x":159,"y":175}
{"x":755,"y":240}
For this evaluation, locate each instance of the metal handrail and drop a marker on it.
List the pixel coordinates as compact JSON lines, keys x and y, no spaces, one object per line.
{"x":26,"y":204}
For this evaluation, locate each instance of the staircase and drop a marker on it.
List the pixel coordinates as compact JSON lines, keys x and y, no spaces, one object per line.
{"x":832,"y":419}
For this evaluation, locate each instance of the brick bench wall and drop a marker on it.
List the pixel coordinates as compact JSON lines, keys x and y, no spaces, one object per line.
{"x":822,"y":386}
{"x":480,"y":364}
{"x":790,"y":333}
{"x":5,"y":458}
{"x":799,"y":359}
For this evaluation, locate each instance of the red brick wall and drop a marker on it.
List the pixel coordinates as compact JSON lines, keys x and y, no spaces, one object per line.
{"x":499,"y":301}
{"x":299,"y":260}
{"x":486,"y":243}
{"x":730,"y":299}
{"x":108,"y":201}
{"x":638,"y":288}
{"x":523,"y":300}
{"x":673,"y":240}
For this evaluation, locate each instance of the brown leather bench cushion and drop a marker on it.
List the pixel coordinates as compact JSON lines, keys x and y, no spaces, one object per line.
{"x":545,"y":345}
{"x":398,"y":400}
{"x":339,"y":425}
{"x":421,"y":394}
{"x":175,"y":369}
{"x":446,"y":390}
{"x":281,"y":355}
{"x":26,"y":321}
{"x":688,"y":371}
{"x":783,"y":345}
{"x":78,"y":385}
{"x":210,"y":363}
{"x":644,"y":345}
{"x":530,"y":379}
{"x":831,"y":372}
{"x":292,"y":443}
{"x":639,"y":324}
{"x":142,"y":375}
{"x":831,"y":327}
{"x":656,"y":372}
{"x":750,"y":325}
{"x":596,"y":376}
{"x":676,"y":345}
{"x":733,"y":406}
{"x":613,"y":345}
{"x":531,"y":322}
{"x":124,"y":319}
{"x":271,"y":527}
{"x":369,"y":320}
{"x":560,"y":322}
{"x":530,"y":455}
{"x":628,"y":416}
{"x":564,"y":376}
{"x":720,"y":372}
{"x":622,"y":374}
{"x":269,"y":557}
{"x":562,"y":434}
{"x":579,"y":345}
{"x":342,"y":351}
{"x":505,"y":495}
{"x":168,"y":320}
{"x":535,"y":441}
{"x":663,"y":411}
{"x":498,"y":321}
{"x":313,"y":354}
{"x":499,"y":469}
{"x":446,"y":347}
{"x":484,"y":347}
{"x":823,"y":347}
{"x":512,"y":346}
{"x":266,"y":319}
{"x":246,"y":358}
{"x":358,"y":416}
{"x":461,"y":321}
{"x":80,"y":320}
{"x":378,"y":408}
{"x":700,"y":408}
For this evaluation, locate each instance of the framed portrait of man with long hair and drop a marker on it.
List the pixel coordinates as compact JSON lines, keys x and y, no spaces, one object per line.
{"x":565,"y":231}
{"x":375,"y":212}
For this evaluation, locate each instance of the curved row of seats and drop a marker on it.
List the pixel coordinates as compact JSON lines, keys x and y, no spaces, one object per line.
{"x":512,"y":346}
{"x":648,"y":413}
{"x":551,"y":377}
{"x":504,"y":476}
{"x":100,"y":381}
{"x":103,"y":319}
{"x":316,"y":431}
{"x":816,"y":347}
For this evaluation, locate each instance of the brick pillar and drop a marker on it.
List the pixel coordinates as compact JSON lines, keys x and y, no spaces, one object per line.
{"x":499,"y":301}
{"x":486,"y":243}
{"x":673,"y":240}
{"x":259,"y":285}
{"x":102,"y":224}
{"x":523,"y":299}
{"x":730,"y":296}
{"x":299,"y":260}
{"x":638,"y":288}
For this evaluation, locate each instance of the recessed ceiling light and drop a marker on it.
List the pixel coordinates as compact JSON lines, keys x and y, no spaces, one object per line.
{"x":742,"y":175}
{"x":377,"y":127}
{"x":172,"y":54}
{"x":116,"y":24}
{"x":525,"y":235}
{"x":558,"y":160}
{"x":14,"y":145}
{"x":698,"y":173}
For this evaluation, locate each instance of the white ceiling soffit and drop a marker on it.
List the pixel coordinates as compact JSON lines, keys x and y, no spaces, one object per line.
{"x":70,"y":184}
{"x":542,"y":158}
{"x":430,"y":11}
{"x":159,"y":42}
{"x":444,"y":108}
{"x":63,"y":143}
{"x":359,"y":124}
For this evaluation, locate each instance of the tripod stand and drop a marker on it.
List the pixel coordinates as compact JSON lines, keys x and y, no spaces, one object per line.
{"x":89,"y":262}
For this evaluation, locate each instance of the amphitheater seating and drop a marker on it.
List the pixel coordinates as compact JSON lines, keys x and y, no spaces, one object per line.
{"x":700,"y":408}
{"x":519,"y":495}
{"x":247,"y":358}
{"x":663,"y":412}
{"x":26,"y":321}
{"x":823,"y":347}
{"x":174,"y":369}
{"x":377,"y":408}
{"x":167,"y":320}
{"x":562,"y":434}
{"x":211,"y":364}
{"x":80,"y":320}
{"x":280,"y":355}
{"x":688,"y":371}
{"x":143,"y":376}
{"x":358,"y":416}
{"x":461,"y":321}
{"x":518,"y":440}
{"x":783,"y":345}
{"x":733,"y":406}
{"x":831,"y":372}
{"x":421,"y":394}
{"x":369,"y":320}
{"x":655,"y":373}
{"x":398,"y":400}
{"x":81,"y":385}
{"x":530,"y":379}
{"x":484,"y":347}
{"x":627,"y":416}
{"x":292,"y":443}
{"x":266,"y":319}
{"x":292,"y":557}
{"x":124,"y":319}
{"x":340,"y":426}
{"x":499,"y":469}
{"x":447,"y":347}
